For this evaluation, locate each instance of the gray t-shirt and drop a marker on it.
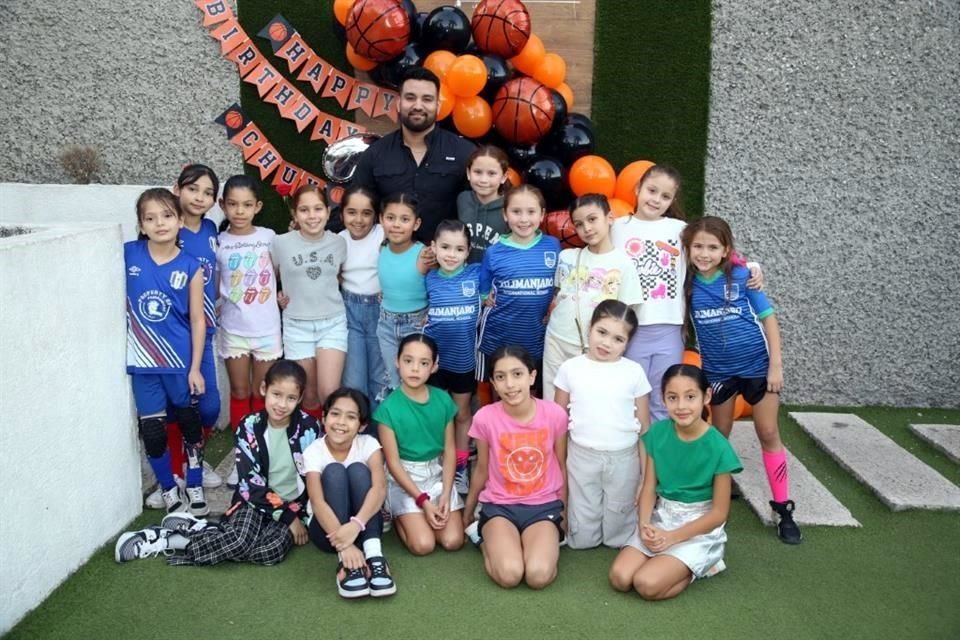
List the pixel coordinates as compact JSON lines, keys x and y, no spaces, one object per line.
{"x":308,"y":274}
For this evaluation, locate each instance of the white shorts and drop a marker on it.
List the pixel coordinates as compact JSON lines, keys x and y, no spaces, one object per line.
{"x":428,"y":476}
{"x":262,"y":348}
{"x":303,"y":338}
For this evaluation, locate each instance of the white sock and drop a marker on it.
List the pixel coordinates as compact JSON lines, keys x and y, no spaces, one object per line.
{"x":177,"y":541}
{"x":372,"y":548}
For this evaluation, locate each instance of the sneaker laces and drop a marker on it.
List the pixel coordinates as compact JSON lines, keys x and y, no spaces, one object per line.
{"x":378,"y":568}
{"x":195,"y":494}
{"x":145,"y":548}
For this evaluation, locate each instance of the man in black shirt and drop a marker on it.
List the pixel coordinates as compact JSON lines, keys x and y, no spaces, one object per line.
{"x":420,"y":158}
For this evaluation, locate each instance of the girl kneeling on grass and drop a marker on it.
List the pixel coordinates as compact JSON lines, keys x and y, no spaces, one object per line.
{"x":519,"y":476}
{"x":347,"y":486}
{"x":264,"y":521}
{"x":685,"y":497}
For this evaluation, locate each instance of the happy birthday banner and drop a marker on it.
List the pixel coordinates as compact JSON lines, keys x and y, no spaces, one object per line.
{"x":287,"y":44}
{"x":258,"y":152}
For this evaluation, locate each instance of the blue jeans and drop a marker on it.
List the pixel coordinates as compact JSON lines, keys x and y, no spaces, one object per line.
{"x":363,"y":370}
{"x":392,"y":328}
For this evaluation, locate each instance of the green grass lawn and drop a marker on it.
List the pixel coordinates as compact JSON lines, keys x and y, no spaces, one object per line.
{"x":897,"y":577}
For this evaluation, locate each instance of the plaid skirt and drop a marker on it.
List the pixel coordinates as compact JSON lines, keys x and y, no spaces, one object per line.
{"x":246,"y":535}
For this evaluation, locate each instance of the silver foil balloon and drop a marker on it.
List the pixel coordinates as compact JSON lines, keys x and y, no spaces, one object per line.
{"x":340,"y":158}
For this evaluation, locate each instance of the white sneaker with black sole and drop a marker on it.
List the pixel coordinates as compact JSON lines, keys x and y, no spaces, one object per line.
{"x":155,"y":499}
{"x":211,"y":479}
{"x":173,"y":499}
{"x":198,"y":504}
{"x":183,"y":522}
{"x":146,"y":543}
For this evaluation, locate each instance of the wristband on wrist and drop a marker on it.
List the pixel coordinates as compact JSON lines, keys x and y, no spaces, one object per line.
{"x":423,"y":497}
{"x":357,"y":521}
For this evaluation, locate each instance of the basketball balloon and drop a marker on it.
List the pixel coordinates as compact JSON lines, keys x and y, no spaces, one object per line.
{"x":626,"y":188}
{"x":358,"y":62}
{"x":523,"y":110}
{"x":472,"y":116}
{"x":439,"y":62}
{"x":559,"y":225}
{"x":378,"y":29}
{"x":500,"y":27}
{"x":530,"y":56}
{"x":466,"y":76}
{"x":551,"y":71}
{"x":592,"y":174}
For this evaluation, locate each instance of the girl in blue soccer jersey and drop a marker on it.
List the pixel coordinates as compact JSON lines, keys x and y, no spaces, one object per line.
{"x":453,"y":292}
{"x":165,"y":336}
{"x":516,"y":276}
{"x":739,"y":341}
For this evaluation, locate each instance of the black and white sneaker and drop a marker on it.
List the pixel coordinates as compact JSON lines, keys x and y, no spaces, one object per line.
{"x":146,"y":543}
{"x":381,"y":582}
{"x":787,"y":529}
{"x":173,"y":499}
{"x":183,"y":523}
{"x":198,"y":504}
{"x":353,"y":584}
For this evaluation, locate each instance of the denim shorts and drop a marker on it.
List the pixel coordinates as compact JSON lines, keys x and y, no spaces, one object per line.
{"x":303,"y":338}
{"x":391,"y":329}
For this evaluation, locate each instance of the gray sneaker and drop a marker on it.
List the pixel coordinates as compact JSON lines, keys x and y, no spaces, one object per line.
{"x":183,"y":522}
{"x":146,"y":543}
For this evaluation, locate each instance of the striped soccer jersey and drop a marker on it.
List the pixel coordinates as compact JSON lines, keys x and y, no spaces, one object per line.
{"x":202,"y":245}
{"x":454,"y":306}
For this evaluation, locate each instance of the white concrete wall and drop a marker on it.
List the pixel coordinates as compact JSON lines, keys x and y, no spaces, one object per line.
{"x":70,"y":477}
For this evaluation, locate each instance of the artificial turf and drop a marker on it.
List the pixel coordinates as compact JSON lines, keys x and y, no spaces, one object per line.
{"x":896,"y":577}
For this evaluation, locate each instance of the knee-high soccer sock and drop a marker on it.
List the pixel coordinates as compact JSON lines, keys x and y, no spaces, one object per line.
{"x":178,"y":456}
{"x":192,"y":432}
{"x":153,"y":430}
{"x":161,"y":469}
{"x":484,"y":394}
{"x":257,"y":403}
{"x":239,"y":407}
{"x":776,"y":466}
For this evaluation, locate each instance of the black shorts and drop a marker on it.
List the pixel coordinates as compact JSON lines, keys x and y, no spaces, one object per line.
{"x":752,"y":390}
{"x":454,"y":382}
{"x":522,"y":515}
{"x":485,"y":372}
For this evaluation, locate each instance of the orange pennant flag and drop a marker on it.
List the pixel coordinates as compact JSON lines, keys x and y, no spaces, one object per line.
{"x":214,"y":11}
{"x":348,"y":128}
{"x":266,"y":159}
{"x":364,"y":97}
{"x":303,"y":113}
{"x":285,"y":96}
{"x":386,"y":105}
{"x":247,"y":58}
{"x":315,"y":71}
{"x":287,"y":177}
{"x":264,"y":77}
{"x":295,"y":51}
{"x":326,"y":128}
{"x":249,"y":139}
{"x":309,"y":178}
{"x":339,"y":85}
{"x":230,"y":35}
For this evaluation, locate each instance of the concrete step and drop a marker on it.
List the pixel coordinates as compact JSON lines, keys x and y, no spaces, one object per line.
{"x":815,"y":504}
{"x":218,"y":498}
{"x":899,"y":479}
{"x":945,"y":437}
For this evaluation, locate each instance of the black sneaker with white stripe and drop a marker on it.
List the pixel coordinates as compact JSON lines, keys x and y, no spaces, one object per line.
{"x":381,"y":582}
{"x":353,"y":584}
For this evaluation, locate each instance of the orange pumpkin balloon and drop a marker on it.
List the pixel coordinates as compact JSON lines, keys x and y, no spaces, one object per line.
{"x":552,"y":71}
{"x":466,"y":76}
{"x":341,"y":9}
{"x":472,"y":116}
{"x":446,"y":101}
{"x":439,"y":62}
{"x":530,"y":56}
{"x":513,"y":177}
{"x":619,"y":208}
{"x":592,"y":174}
{"x":358,"y":62}
{"x":626,"y":189}
{"x":564,"y":89}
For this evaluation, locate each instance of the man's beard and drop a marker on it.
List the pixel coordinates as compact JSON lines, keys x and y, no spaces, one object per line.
{"x":417,"y":127}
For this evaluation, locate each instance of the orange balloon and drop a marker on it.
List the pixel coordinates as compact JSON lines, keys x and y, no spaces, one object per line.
{"x":439,"y":62}
{"x":446,"y":101}
{"x":564,"y":89}
{"x":692,"y":357}
{"x":627,"y":181}
{"x":619,"y":208}
{"x":530,"y":56}
{"x":592,"y":174}
{"x":341,"y":9}
{"x":472,"y":116}
{"x":466,"y":76}
{"x":740,"y":408}
{"x":358,"y":62}
{"x":552,"y":71}
{"x":513,"y":177}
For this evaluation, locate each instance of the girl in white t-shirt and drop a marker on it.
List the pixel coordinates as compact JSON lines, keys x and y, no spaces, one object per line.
{"x":607,"y":398}
{"x":585,"y":277}
{"x":347,"y":486}
{"x":364,"y":369}
{"x":249,"y":336}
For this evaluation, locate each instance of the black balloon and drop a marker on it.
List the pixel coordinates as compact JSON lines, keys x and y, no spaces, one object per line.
{"x":498,"y":72}
{"x":549,"y":175}
{"x":390,"y":74}
{"x":412,"y":15}
{"x":521,"y":155}
{"x":581,"y":119}
{"x":559,"y":111}
{"x":446,"y":28}
{"x":568,"y":143}
{"x":339,"y":31}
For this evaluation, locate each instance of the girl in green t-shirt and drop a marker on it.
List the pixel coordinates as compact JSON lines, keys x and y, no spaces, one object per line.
{"x":417,"y":435}
{"x":685,"y":497}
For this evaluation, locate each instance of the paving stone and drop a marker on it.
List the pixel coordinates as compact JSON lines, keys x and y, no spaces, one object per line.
{"x":899,"y":479}
{"x":945,"y":437}
{"x":815,"y":504}
{"x":219,"y":498}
